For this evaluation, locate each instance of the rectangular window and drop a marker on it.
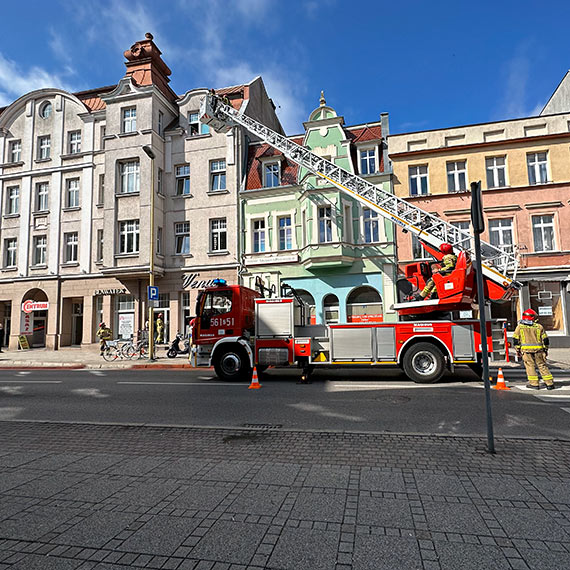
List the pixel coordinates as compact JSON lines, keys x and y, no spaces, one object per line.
{"x":129,"y":120}
{"x":218,"y":235}
{"x":418,"y":251}
{"x":101,"y":190}
{"x":160,"y":123}
{"x":258,"y":236}
{"x":217,"y":175}
{"x":367,"y":161}
{"x":325,"y":224}
{"x":501,"y":233}
{"x":12,"y":199}
{"x":130,"y":177}
{"x":537,"y":166}
{"x":182,"y":238}
{"x":44,"y":147}
{"x":159,"y":181}
{"x":40,"y":250}
{"x":15,"y":151}
{"x":159,"y":241}
{"x":418,"y":180}
{"x":129,"y":236}
{"x":100,"y":244}
{"x":456,"y":176}
{"x":496,"y":172}
{"x":183,"y":180}
{"x":10,"y":252}
{"x":71,"y":242}
{"x":371,"y":226}
{"x":42,"y":191}
{"x":102,"y":133}
{"x":285,"y":233}
{"x":74,"y":142}
{"x":194,"y":125}
{"x":543,"y":233}
{"x":271,"y":175}
{"x":72,"y":193}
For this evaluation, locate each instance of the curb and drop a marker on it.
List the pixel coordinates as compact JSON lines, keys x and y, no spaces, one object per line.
{"x":55,"y":367}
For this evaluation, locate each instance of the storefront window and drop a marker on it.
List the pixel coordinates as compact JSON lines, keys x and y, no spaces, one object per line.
{"x":331,"y":309}
{"x":309,"y":300}
{"x":546,"y":300}
{"x":364,"y":305}
{"x":509,"y":311}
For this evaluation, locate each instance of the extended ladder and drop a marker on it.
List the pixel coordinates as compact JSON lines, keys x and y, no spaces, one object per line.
{"x":499,"y":264}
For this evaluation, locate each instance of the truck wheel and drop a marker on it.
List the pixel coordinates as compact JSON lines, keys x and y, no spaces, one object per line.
{"x":232,"y":364}
{"x":424,"y":363}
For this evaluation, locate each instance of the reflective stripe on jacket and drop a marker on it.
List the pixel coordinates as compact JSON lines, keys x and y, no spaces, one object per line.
{"x":448,"y":263}
{"x":530,"y":338}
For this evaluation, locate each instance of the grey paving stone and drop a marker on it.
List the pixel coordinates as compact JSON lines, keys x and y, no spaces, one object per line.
{"x":146,"y":493}
{"x":534,"y":524}
{"x":545,"y":559}
{"x":373,"y":552}
{"x":104,"y":566}
{"x":381,"y":480}
{"x":37,"y":562}
{"x":18,"y":458}
{"x":96,"y":489}
{"x":277,"y":474}
{"x":35,"y":524}
{"x":258,"y":502}
{"x":324,"y":507}
{"x":48,"y":485}
{"x":555,"y":491}
{"x":161,"y":535}
{"x":470,"y":557}
{"x":324,"y":476}
{"x":12,"y":479}
{"x":233,"y":471}
{"x":454,"y":517}
{"x":501,"y":487}
{"x":303,"y":548}
{"x":439,"y":484}
{"x":184,"y":468}
{"x":96,"y":530}
{"x":230,"y":542}
{"x":11,"y":505}
{"x":384,"y":512}
{"x":136,"y":466}
{"x":201,"y":497}
{"x":94,"y":463}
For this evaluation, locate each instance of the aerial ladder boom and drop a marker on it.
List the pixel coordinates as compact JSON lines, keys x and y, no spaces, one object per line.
{"x":499,"y":264}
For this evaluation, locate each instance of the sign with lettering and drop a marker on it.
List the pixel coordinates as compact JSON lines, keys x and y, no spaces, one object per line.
{"x":109,"y":292}
{"x":23,"y":342}
{"x":29,"y":306}
{"x":26,"y":323}
{"x":193,"y":281}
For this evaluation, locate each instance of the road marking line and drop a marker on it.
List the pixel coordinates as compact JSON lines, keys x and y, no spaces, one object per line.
{"x":566,"y":409}
{"x":32,"y":381}
{"x":188,"y":383}
{"x":351,"y":386}
{"x":23,"y":373}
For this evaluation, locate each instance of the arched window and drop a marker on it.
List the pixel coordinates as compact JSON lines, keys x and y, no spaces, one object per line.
{"x":364,"y":305}
{"x":331,"y":309}
{"x":310,"y":301}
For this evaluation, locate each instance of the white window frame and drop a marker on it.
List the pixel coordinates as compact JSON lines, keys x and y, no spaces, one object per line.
{"x":537,"y":168}
{"x":101,"y":190}
{"x":15,"y":151}
{"x":493,"y":171}
{"x":129,"y":172}
{"x":159,"y":241}
{"x":45,"y":110}
{"x":44,"y":147}
{"x":129,"y":237}
{"x":72,"y":193}
{"x":373,"y":220}
{"x":11,"y":252}
{"x":365,"y":162}
{"x":272,"y":169}
{"x":12,"y":200}
{"x":284,"y":233}
{"x":182,"y":238}
{"x":259,"y":235}
{"x":416,"y":175}
{"x":71,"y":247}
{"x":100,"y":245}
{"x":325,"y":218}
{"x":42,"y":197}
{"x":195,"y":127}
{"x":541,"y":225}
{"x":456,"y":171}
{"x":40,"y":250}
{"x":129,"y":120}
{"x":218,"y":234}
{"x":218,"y":175}
{"x":182,"y":176}
{"x":160,"y":181}
{"x":501,"y":230}
{"x":74,"y":142}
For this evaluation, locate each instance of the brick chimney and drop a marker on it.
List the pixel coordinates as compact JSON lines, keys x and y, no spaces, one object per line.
{"x":146,"y":67}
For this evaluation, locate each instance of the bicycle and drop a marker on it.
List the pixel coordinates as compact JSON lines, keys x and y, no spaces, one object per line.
{"x":113,"y":350}
{"x":130,"y":349}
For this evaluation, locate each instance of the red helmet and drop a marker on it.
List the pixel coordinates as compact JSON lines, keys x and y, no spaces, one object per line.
{"x":445,"y":248}
{"x":530,"y":314}
{"x":101,"y":324}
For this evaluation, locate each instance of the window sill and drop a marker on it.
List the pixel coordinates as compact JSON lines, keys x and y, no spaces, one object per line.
{"x":8,"y":269}
{"x":218,"y":253}
{"x":129,"y":134}
{"x":124,"y":194}
{"x":126,"y":255}
{"x":99,"y":205}
{"x":541,"y":183}
{"x":71,"y":209}
{"x":74,"y":155}
{"x":421,"y":195}
{"x":40,"y":213}
{"x":217,"y":192}
{"x":41,"y":266}
{"x":40,"y":160}
{"x":179,"y":255}
{"x":8,"y":216}
{"x":200,"y":136}
{"x":70,"y":264}
{"x":12,"y":164}
{"x":99,"y":262}
{"x":497,"y":188}
{"x":178,"y":196}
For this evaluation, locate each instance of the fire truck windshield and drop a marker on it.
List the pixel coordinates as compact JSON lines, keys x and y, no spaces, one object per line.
{"x":217,"y":302}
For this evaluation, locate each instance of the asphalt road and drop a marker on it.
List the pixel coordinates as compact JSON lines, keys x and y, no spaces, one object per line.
{"x":358,"y":400}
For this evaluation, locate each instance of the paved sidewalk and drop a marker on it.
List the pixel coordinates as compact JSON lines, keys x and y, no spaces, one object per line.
{"x":95,"y":497}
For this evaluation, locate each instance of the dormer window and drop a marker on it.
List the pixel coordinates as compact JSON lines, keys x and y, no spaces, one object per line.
{"x":367,"y":161}
{"x":45,"y":110}
{"x":195,"y":127}
{"x":271,"y":172}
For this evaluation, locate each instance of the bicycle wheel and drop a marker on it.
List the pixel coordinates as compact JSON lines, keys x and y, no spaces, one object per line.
{"x":128,"y":350}
{"x":110,"y":354}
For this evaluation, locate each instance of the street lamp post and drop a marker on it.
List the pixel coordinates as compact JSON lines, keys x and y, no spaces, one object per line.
{"x":149,"y":152}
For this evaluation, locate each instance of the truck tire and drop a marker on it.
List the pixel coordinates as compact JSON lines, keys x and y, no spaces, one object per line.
{"x":424,"y":363}
{"x":232,"y":364}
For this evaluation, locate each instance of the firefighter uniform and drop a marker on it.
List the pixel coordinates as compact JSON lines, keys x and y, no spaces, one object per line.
{"x":532,"y":340}
{"x":159,"y":330}
{"x":104,"y":333}
{"x":448,"y":263}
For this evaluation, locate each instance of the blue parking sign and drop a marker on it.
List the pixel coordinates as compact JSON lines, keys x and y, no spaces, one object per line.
{"x":152,"y":292}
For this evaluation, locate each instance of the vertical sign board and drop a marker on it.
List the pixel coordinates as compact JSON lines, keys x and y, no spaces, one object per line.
{"x":126,"y":325}
{"x":26,"y":323}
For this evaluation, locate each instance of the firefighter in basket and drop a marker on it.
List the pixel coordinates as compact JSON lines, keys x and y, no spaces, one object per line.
{"x":531,"y":342}
{"x":160,"y":329}
{"x":447,"y":265}
{"x":104,"y":333}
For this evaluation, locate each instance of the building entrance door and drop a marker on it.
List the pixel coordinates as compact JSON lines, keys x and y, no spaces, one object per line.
{"x":166,"y":318}
{"x":39,"y":331}
{"x":77,"y":324}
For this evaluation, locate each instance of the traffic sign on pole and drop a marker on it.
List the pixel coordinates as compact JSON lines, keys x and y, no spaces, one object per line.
{"x":152,"y":292}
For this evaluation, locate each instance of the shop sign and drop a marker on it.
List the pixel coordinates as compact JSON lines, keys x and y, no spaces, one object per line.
{"x":23,"y":342}
{"x":109,"y":292}
{"x":366,"y":319}
{"x":126,"y":325}
{"x":29,"y":306}
{"x":193,"y":281}
{"x":26,"y":323}
{"x":545,"y":311}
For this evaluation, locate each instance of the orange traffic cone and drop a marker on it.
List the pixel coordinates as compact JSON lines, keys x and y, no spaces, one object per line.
{"x":255,"y":385}
{"x":501,"y":381}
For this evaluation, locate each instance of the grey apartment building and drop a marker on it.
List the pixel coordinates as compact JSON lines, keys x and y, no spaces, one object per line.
{"x":75,"y":191}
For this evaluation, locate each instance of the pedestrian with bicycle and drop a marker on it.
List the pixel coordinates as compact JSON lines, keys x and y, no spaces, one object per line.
{"x":104,"y":334}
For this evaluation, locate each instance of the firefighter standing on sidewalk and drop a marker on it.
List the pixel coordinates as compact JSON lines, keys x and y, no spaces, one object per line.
{"x":531,"y":342}
{"x":104,"y":333}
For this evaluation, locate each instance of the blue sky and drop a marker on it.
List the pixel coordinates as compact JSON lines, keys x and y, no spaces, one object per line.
{"x":430,"y":64}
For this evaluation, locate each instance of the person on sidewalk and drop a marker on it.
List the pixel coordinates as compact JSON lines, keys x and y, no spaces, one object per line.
{"x":448,"y":263}
{"x":531,"y":342}
{"x":104,"y":333}
{"x":160,"y":329}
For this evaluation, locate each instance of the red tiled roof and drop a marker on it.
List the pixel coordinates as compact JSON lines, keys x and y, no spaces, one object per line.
{"x":254,"y":179}
{"x":91,"y":98}
{"x":366,"y":133}
{"x":236,"y":94}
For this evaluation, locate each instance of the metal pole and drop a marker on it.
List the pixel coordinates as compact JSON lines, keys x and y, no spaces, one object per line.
{"x":151,"y":351}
